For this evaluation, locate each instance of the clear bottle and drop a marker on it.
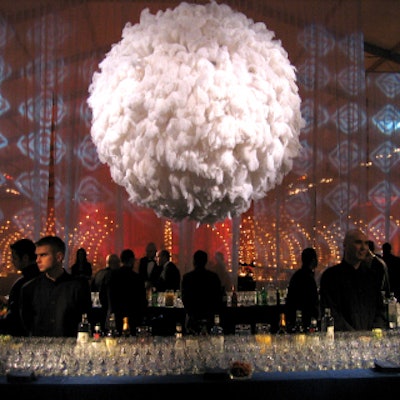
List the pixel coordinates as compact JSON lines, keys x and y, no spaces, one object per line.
{"x":298,"y":329}
{"x":263,"y":297}
{"x":298,"y":323}
{"x":126,"y":329}
{"x":178,"y":299}
{"x":179,"y":340}
{"x":217,"y":335}
{"x":392,"y":311}
{"x":111,"y":327}
{"x":385,"y":301}
{"x":328,"y":326}
{"x":272,"y":299}
{"x":84,"y":330}
{"x":111,"y":333}
{"x":178,"y":331}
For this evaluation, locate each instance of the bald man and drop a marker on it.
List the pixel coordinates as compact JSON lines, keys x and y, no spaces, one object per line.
{"x":350,"y":289}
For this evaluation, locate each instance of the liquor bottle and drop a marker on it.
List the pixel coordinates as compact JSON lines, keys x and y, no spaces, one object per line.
{"x":203,"y":328}
{"x":178,"y":299}
{"x":97,"y":333}
{"x":126,"y":330}
{"x":392,"y":311}
{"x":282,"y":330}
{"x":298,"y":329}
{"x":234,"y":299}
{"x":328,"y":326}
{"x":179,"y":341}
{"x":217,"y":335}
{"x":84,"y":330}
{"x":149,"y":296}
{"x":313,"y":328}
{"x":385,"y":301}
{"x":298,"y":323}
{"x":111,"y":327}
{"x":272,"y":299}
{"x":111,"y":333}
{"x":178,"y":331}
{"x":313,"y":332}
{"x":224,"y":297}
{"x":262,"y":297}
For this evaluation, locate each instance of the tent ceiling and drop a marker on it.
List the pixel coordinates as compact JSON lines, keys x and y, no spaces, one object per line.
{"x":380,"y":21}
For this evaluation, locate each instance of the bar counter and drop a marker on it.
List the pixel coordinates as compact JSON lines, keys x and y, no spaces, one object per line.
{"x":327,"y":385}
{"x":287,"y":367}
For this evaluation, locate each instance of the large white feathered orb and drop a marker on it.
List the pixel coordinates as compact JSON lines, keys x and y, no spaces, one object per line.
{"x":196,"y":111}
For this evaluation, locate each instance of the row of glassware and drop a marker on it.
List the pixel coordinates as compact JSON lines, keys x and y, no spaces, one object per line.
{"x":160,"y":355}
{"x":264,"y":296}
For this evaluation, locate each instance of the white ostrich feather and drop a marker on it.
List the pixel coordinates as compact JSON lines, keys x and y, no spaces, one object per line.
{"x":196,"y":111}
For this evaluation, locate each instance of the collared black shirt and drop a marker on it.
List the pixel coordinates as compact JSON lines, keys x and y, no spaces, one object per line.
{"x":354,"y":297}
{"x":127,"y":294}
{"x":170,"y":278}
{"x":201,"y":295}
{"x":54,"y":308}
{"x":302,"y":295}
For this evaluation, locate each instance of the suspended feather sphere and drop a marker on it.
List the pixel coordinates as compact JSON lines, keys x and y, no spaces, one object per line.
{"x":196,"y":111}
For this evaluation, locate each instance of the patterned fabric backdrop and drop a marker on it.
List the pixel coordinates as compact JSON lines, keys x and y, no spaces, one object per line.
{"x":51,"y":179}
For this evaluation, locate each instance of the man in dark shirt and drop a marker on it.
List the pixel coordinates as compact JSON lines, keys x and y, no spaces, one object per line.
{"x":378,"y":265}
{"x":24,"y":260}
{"x":170,"y":277}
{"x":350,"y":289}
{"x":127,"y":292}
{"x":302,"y":291}
{"x":148,"y":269}
{"x":100,"y":284}
{"x":393,"y":266}
{"x":52,"y":304}
{"x":201,"y":294}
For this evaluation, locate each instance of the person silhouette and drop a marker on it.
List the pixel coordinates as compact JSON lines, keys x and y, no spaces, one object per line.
{"x":393,"y":265}
{"x":378,"y":265}
{"x":127,"y":292}
{"x":201,"y":295}
{"x":24,"y":259}
{"x":170,"y":276}
{"x":220,"y":268}
{"x":81,"y":267}
{"x":302,"y":291}
{"x":148,"y":269}
{"x":100,"y":284}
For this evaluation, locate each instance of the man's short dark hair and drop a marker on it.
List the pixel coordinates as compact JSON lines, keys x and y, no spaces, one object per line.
{"x":56,"y":243}
{"x":126,"y":256}
{"x":387,"y":247}
{"x":24,"y":246}
{"x":164,"y":253}
{"x":308,"y":254}
{"x":200,"y":259}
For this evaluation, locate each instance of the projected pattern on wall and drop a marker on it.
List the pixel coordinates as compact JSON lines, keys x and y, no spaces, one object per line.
{"x":343,"y":177}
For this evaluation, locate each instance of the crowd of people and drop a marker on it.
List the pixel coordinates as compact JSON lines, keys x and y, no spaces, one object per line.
{"x":49,"y":300}
{"x":354,"y":290}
